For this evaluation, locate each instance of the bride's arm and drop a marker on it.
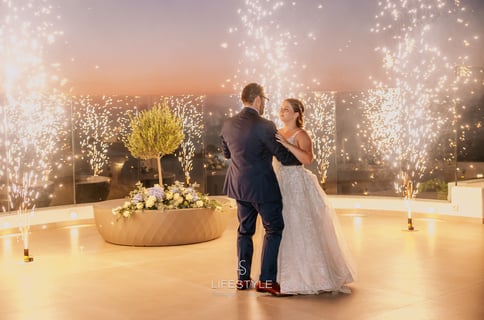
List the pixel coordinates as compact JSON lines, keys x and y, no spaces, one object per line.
{"x":302,"y":149}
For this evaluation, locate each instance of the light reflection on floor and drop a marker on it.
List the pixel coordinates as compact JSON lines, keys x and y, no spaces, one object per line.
{"x":434,"y":273}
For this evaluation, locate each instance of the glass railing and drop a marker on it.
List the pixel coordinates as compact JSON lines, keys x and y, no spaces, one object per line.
{"x":85,"y":158}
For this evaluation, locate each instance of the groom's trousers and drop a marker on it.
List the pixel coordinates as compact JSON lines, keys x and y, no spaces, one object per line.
{"x":271,"y":216}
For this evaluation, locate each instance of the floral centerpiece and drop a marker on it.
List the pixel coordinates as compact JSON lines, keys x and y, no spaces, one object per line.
{"x":163,"y":214}
{"x":176,"y":196}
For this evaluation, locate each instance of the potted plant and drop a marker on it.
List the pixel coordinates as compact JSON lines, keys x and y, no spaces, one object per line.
{"x":155,"y":133}
{"x":163,"y":214}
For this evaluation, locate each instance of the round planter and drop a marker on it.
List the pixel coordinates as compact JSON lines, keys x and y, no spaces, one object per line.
{"x":158,"y":227}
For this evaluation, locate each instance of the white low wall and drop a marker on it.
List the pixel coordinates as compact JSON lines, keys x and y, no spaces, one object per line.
{"x":42,"y":217}
{"x":468,"y":197}
{"x":424,"y":206}
{"x":467,"y":200}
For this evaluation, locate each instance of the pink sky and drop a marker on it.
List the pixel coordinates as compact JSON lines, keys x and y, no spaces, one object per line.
{"x":174,"y":46}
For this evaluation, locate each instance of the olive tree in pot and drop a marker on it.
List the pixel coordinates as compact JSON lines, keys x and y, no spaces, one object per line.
{"x":155,"y":133}
{"x":151,"y":214}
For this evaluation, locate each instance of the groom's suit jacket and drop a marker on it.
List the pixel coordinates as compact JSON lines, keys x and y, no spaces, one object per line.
{"x":249,"y":141}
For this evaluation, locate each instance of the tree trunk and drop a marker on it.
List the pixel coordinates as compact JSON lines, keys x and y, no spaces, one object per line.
{"x":160,"y":171}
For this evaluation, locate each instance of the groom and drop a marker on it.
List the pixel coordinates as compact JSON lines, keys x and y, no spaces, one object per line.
{"x":249,"y":141}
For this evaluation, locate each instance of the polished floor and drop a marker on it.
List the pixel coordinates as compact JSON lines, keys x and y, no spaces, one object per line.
{"x":434,"y":272}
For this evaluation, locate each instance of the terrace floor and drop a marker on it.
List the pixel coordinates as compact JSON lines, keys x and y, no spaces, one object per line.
{"x":434,"y":272}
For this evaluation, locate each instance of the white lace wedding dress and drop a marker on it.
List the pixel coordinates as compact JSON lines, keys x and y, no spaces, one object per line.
{"x":313,"y":256}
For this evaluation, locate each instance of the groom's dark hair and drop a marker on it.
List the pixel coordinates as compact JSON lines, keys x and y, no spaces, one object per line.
{"x":251,"y":91}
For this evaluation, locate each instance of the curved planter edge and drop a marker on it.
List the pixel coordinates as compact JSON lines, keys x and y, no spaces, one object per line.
{"x":158,"y":227}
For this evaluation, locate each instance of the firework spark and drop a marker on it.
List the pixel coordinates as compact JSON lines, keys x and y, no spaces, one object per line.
{"x":268,"y":51}
{"x":406,"y":111}
{"x":95,"y":124}
{"x":321,"y":123}
{"x":190,"y":109}
{"x":32,"y":108}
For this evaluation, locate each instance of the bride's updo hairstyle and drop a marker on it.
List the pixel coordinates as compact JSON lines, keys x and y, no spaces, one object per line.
{"x":297,"y":106}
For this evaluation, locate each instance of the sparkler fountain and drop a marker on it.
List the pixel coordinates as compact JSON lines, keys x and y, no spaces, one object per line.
{"x":32,"y":111}
{"x":407,"y":110}
{"x":321,"y":121}
{"x":268,"y":48}
{"x":94,"y":123}
{"x":98,"y":123}
{"x":189,"y":109}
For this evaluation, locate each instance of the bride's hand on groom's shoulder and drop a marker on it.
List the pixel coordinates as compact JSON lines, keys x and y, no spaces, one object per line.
{"x":282,"y":140}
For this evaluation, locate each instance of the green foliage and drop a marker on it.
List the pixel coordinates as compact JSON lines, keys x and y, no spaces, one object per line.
{"x":434,"y":185}
{"x":154,"y":133}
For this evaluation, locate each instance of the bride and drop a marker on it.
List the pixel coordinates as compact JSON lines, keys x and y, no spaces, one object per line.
{"x":313,"y":256}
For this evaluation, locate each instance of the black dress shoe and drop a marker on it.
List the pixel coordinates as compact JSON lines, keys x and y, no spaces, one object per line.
{"x":243,"y":284}
{"x":271,"y":287}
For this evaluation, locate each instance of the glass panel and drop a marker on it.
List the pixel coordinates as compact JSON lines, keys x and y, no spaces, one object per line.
{"x":218,"y":108}
{"x":85,"y":159}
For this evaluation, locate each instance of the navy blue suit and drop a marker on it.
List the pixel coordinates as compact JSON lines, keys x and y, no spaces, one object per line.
{"x":249,"y":141}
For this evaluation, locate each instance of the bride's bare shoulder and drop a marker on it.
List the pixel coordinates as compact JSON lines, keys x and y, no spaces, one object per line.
{"x":302,"y":136}
{"x":301,"y":133}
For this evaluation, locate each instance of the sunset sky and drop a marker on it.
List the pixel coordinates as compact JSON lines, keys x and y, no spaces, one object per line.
{"x":139,"y":47}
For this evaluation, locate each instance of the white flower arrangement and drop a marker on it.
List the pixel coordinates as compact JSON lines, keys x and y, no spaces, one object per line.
{"x":176,"y":196}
